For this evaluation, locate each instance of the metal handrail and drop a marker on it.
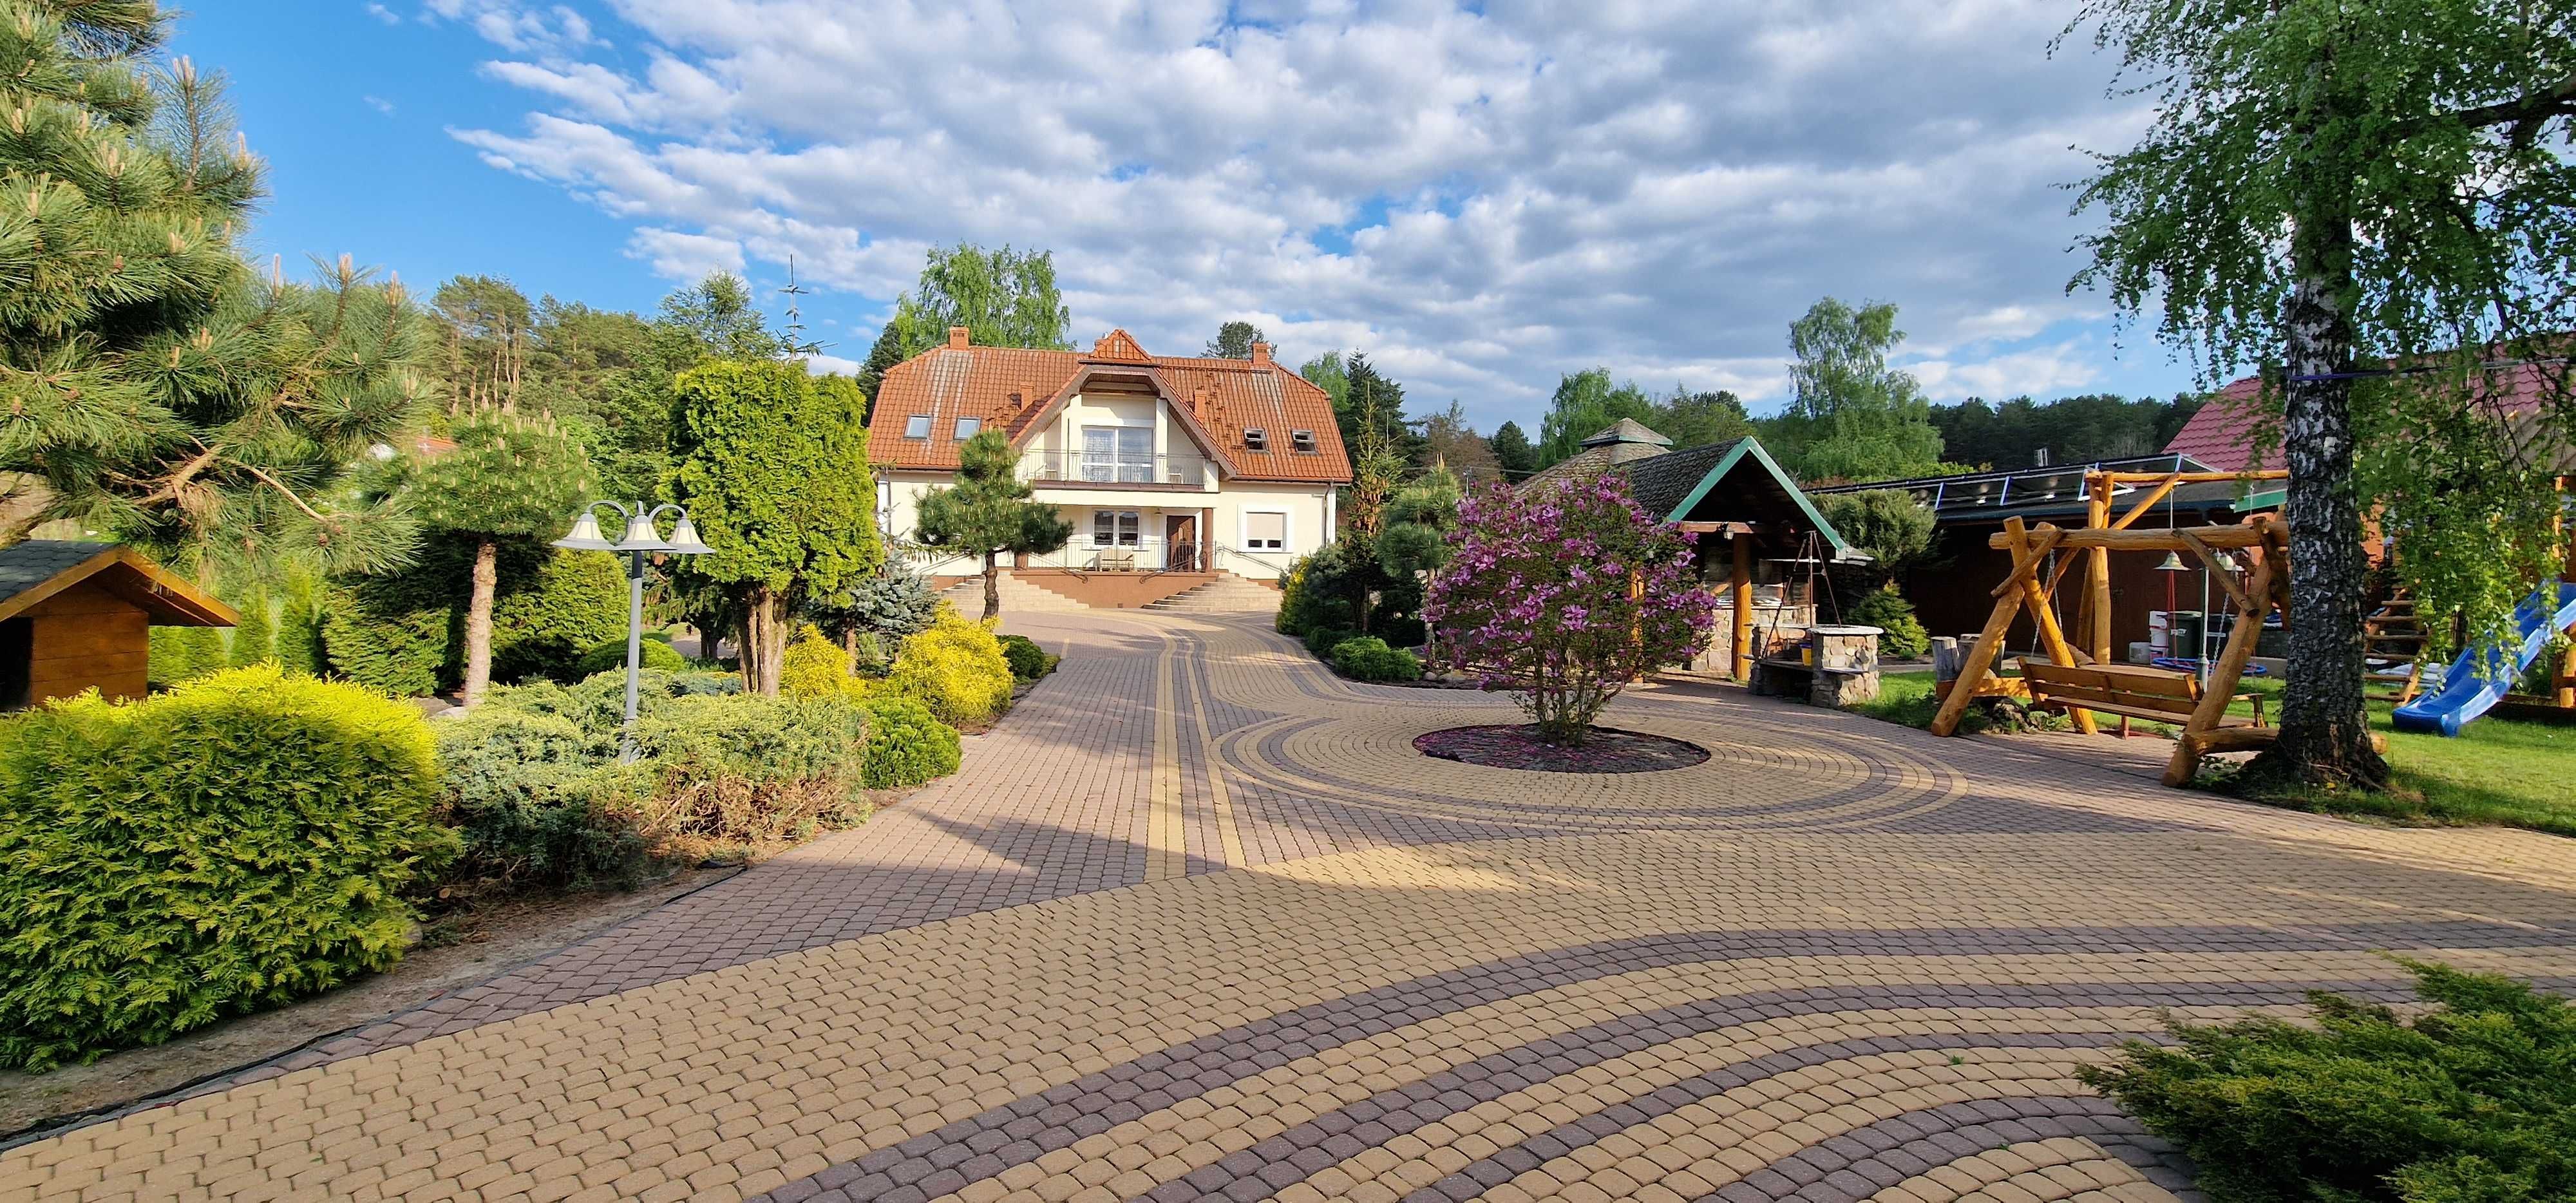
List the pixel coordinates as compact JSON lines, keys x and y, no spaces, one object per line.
{"x":1110,"y":468}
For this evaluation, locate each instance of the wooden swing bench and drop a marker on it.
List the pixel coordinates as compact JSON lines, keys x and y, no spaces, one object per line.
{"x":2153,"y":694}
{"x":2066,"y":681}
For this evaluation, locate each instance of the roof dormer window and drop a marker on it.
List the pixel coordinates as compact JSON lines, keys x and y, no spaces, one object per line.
{"x":966,"y":428}
{"x":917,"y":426}
{"x":1256,"y":439}
{"x":1302,"y":440}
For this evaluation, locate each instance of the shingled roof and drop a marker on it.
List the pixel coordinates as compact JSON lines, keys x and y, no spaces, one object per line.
{"x":2224,"y":434}
{"x":1018,"y":390}
{"x":37,"y":569}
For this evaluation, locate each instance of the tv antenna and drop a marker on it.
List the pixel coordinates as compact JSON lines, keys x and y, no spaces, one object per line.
{"x":796,"y":343}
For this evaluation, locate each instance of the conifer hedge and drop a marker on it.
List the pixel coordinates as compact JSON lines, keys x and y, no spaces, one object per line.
{"x":239,"y":842}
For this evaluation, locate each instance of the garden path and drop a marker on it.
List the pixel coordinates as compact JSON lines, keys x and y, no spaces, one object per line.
{"x":1197,"y":921}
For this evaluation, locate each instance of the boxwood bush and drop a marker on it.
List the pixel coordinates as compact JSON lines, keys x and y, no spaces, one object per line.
{"x":907,"y":745}
{"x":1369,"y":659}
{"x":956,"y":668}
{"x":2473,"y":1101}
{"x":239,"y":842}
{"x":609,"y":656}
{"x":1028,"y":661}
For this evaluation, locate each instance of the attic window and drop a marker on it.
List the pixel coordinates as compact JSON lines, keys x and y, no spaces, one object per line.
{"x":917,"y":426}
{"x":1256,"y":439}
{"x":966,"y":428}
{"x":1302,"y":440}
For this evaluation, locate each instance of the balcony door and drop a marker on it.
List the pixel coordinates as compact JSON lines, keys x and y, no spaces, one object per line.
{"x":1118,"y":454}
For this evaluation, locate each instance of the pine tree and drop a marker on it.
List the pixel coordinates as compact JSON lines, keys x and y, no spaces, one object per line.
{"x":508,"y":477}
{"x":151,"y":384}
{"x":1513,"y":450}
{"x":990,"y":512}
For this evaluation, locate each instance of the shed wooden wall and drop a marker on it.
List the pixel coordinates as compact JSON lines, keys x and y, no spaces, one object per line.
{"x":85,"y":636}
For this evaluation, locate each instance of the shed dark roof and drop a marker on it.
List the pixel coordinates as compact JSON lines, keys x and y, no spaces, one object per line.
{"x":37,"y":569}
{"x":36,"y":561}
{"x":1663,"y":482}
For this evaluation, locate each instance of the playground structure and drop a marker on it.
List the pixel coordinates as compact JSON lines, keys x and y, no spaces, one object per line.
{"x":2479,"y":679}
{"x":2124,"y":690}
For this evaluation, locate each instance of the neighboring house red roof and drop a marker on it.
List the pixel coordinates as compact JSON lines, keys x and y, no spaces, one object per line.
{"x":1017,"y":391}
{"x":2222,"y":433}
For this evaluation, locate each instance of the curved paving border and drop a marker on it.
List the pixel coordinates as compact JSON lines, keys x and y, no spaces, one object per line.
{"x":1184,"y":928}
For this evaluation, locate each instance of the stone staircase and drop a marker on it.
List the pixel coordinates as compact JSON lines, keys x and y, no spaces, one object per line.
{"x":1018,"y":596}
{"x":1228,"y":593}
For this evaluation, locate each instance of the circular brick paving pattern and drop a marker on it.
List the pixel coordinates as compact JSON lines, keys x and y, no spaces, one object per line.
{"x":1198,"y":921}
{"x":1519,"y":746}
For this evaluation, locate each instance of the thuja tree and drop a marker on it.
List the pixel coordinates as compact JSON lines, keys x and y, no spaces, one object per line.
{"x":2340,"y":190}
{"x":773,"y":465}
{"x":509,"y":476}
{"x":150,"y":382}
{"x":1565,"y":595}
{"x":991,"y":512}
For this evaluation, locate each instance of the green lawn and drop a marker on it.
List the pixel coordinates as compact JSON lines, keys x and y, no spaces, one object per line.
{"x":2512,"y":774}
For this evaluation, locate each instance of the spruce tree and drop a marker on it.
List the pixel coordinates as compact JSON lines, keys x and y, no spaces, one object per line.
{"x":991,"y":512}
{"x":151,"y":383}
{"x":508,"y":477}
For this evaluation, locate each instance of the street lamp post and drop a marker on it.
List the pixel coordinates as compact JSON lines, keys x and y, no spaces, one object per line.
{"x":641,"y":539}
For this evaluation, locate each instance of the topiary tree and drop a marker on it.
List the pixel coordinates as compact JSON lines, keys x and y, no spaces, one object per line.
{"x":1564,"y":595}
{"x":990,"y":512}
{"x":815,"y":667}
{"x":508,"y":477}
{"x":773,"y":466}
{"x":254,"y":639}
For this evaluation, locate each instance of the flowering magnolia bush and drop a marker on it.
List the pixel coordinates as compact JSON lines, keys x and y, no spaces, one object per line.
{"x":1563,"y":595}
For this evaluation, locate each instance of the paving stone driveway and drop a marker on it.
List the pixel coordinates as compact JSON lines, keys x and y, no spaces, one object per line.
{"x":1197,"y":922}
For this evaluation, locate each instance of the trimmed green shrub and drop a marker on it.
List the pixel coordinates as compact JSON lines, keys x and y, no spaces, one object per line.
{"x":1296,"y":603}
{"x":537,"y":801}
{"x":870,"y":659}
{"x":744,"y":767}
{"x":907,"y":745}
{"x":1028,"y":661}
{"x":299,"y":629}
{"x":404,"y":632}
{"x":254,"y":640}
{"x":237,"y":843}
{"x":1402,"y":630}
{"x":597,"y":703}
{"x":1322,"y":640}
{"x":1369,"y":659}
{"x":2471,"y":1102}
{"x":1901,"y":635}
{"x":610,"y":657}
{"x":955,"y":668}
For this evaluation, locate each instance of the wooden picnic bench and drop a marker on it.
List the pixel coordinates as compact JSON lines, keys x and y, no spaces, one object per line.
{"x":2128,"y":691}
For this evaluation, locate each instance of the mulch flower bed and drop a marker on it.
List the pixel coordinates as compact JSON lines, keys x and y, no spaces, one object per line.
{"x":1609,"y":750}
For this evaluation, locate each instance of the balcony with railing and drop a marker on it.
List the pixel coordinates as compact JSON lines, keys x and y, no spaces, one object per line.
{"x":1084,"y":554}
{"x":1113,"y":469}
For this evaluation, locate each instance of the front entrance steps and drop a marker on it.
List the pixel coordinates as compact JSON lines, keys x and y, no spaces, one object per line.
{"x":1228,"y":594}
{"x":1018,"y":595}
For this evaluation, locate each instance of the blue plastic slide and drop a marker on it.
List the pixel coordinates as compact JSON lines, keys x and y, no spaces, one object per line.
{"x":2467,"y":690}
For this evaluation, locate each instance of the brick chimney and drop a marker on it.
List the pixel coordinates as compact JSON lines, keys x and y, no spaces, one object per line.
{"x":1261,"y":354}
{"x":957,"y":338}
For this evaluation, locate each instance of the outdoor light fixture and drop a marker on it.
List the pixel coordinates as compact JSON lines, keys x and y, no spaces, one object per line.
{"x":642,"y":537}
{"x":2173,"y":563}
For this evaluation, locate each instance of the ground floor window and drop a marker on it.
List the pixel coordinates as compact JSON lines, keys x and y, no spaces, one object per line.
{"x":1265,"y":530}
{"x":1115,"y":528}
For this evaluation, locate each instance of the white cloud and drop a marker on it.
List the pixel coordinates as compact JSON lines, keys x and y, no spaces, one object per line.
{"x":379,"y":104}
{"x":1478,"y":199}
{"x":386,"y":15}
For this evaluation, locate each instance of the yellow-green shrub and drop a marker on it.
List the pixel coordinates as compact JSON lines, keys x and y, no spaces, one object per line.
{"x":907,"y":745}
{"x":956,"y":668}
{"x":239,"y":842}
{"x":816,"y":667}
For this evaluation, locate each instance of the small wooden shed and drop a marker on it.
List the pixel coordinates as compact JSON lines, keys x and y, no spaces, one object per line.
{"x":75,"y":615}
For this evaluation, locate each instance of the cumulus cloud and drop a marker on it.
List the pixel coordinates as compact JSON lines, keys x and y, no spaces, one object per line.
{"x":1479,"y":199}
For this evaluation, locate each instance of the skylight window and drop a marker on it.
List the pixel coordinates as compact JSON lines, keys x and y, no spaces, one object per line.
{"x":1256,"y":439}
{"x":1302,"y":440}
{"x":917,"y":426}
{"x":966,"y":428}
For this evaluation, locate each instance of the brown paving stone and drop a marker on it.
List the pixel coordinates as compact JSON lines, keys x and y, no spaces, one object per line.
{"x":1196,"y":923}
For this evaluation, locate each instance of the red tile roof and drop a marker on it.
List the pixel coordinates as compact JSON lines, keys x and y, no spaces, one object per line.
{"x":1016,"y":391}
{"x":2222,"y":434}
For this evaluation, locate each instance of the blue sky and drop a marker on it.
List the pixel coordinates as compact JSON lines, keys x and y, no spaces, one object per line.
{"x":1481,"y":196}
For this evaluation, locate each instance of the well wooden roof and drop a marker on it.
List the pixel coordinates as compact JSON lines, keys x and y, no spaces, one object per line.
{"x":1017,"y":391}
{"x":38,"y":569}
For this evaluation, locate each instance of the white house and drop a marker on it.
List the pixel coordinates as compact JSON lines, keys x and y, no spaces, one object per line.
{"x":1174,"y":468}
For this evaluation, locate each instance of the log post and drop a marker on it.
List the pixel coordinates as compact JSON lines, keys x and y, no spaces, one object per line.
{"x":2097,"y":569}
{"x":2206,"y":716}
{"x":1741,"y":592}
{"x":2054,"y":639}
{"x":1990,"y":641}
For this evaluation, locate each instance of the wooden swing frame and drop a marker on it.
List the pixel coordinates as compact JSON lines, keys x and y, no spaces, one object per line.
{"x":2263,"y":538}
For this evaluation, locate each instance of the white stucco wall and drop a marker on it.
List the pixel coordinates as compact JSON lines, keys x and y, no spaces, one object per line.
{"x":1306,"y":507}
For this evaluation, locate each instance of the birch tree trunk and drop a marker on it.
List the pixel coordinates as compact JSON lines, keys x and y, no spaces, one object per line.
{"x":478,"y":621}
{"x":2325,"y":732}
